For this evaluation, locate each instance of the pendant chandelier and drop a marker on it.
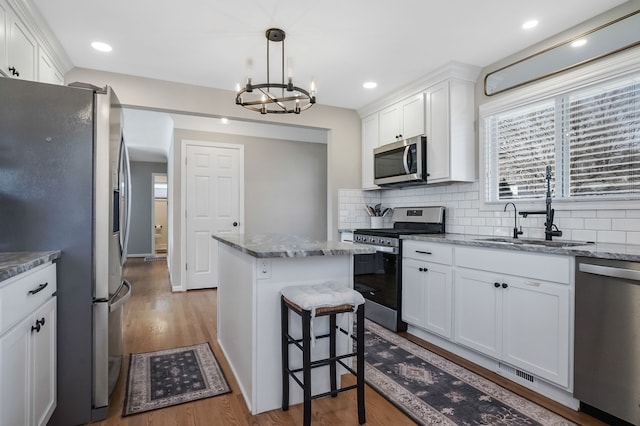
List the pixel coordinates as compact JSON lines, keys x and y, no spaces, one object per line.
{"x":275,"y":98}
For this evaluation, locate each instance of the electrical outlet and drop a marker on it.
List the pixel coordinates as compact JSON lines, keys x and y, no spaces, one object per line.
{"x":264,"y":268}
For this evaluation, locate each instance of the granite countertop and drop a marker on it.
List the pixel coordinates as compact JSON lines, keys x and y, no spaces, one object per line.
{"x":14,"y":263}
{"x":285,"y":245}
{"x":627,"y":252}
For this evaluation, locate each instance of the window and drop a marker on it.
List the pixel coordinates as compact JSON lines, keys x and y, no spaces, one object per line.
{"x":590,"y":137}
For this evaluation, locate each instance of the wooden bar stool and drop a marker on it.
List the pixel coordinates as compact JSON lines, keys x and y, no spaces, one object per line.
{"x":310,"y":301}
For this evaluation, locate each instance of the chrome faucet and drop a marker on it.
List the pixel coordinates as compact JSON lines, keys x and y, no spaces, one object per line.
{"x":516,"y":232}
{"x":549,"y":231}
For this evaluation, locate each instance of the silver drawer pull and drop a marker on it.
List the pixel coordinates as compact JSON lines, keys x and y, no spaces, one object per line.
{"x":532,"y":283}
{"x":39,"y":288}
{"x":423,"y":252}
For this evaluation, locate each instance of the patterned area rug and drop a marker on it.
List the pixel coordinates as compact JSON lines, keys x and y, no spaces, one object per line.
{"x":432,"y":390}
{"x":171,"y":377}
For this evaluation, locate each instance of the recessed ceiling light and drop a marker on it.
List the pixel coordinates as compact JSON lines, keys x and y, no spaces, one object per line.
{"x":370,"y":85}
{"x":579,"y":42}
{"x":224,"y":120}
{"x":530,"y":24}
{"x":102,"y":47}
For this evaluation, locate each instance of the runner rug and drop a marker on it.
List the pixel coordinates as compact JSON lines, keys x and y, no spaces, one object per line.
{"x":171,"y":377}
{"x":432,"y":390}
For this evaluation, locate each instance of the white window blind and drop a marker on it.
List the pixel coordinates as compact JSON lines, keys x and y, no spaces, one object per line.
{"x":523,"y":143}
{"x":590,"y":137}
{"x":604,"y":140}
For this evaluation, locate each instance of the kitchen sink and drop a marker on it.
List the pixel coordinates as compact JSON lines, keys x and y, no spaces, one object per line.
{"x":534,"y":242}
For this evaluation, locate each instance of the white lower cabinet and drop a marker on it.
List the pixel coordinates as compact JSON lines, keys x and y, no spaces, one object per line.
{"x":513,"y":307}
{"x":426,"y":297}
{"x":28,"y":361}
{"x":522,"y":322}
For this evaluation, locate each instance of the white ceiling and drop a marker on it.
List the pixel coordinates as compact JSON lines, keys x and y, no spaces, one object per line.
{"x":338,"y":44}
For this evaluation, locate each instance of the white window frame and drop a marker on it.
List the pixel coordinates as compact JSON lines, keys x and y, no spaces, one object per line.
{"x":618,"y":65}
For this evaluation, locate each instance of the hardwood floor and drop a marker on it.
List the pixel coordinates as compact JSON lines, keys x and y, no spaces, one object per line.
{"x":155,"y":318}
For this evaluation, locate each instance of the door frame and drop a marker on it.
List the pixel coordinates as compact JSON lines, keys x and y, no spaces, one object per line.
{"x":183,"y":198}
{"x":153,"y":211}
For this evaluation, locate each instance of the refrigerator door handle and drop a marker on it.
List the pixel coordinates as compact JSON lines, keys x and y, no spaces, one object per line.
{"x":116,"y":300}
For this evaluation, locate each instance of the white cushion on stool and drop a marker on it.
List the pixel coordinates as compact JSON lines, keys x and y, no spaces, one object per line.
{"x":325,"y":295}
{"x":329,"y":294}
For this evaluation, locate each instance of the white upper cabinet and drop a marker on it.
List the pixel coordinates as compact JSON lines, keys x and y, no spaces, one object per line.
{"x":21,"y":50}
{"x":441,"y":107}
{"x":3,"y":38}
{"x":47,"y":71}
{"x":402,"y":120}
{"x":370,"y":141}
{"x":451,"y":151}
{"x":26,"y":52}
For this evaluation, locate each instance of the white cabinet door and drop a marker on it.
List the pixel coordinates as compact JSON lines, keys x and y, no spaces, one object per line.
{"x":477,"y":315}
{"x":43,"y":356}
{"x":390,"y":122}
{"x":536,"y":328}
{"x":437,"y":126}
{"x":402,"y":120}
{"x":413,"y":292}
{"x":427,"y":296}
{"x":413,"y":116}
{"x":370,"y":141}
{"x":47,"y":71}
{"x":21,"y":50}
{"x":3,"y":38}
{"x":14,"y":375}
{"x":438,"y":299}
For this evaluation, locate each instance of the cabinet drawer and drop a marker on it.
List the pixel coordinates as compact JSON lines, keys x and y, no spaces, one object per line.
{"x":548,"y":267}
{"x":430,"y":252}
{"x":21,"y":296}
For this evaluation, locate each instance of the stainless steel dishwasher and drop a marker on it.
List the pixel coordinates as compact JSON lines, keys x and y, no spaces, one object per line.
{"x":607,"y":337}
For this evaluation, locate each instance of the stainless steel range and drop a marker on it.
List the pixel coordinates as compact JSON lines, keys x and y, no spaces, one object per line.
{"x":378,"y":276}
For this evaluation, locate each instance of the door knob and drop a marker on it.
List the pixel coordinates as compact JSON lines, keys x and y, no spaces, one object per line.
{"x":235,"y":223}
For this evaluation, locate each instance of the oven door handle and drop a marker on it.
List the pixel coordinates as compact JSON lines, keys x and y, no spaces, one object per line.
{"x":392,"y":250}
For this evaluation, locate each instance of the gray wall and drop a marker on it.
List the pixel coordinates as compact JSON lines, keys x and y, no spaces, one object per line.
{"x":285,"y":183}
{"x":141,"y":232}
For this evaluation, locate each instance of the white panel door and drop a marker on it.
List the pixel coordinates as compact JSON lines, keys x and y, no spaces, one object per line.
{"x":213,"y":185}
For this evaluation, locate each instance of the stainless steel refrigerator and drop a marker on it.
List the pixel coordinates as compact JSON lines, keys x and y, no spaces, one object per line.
{"x":64,"y":184}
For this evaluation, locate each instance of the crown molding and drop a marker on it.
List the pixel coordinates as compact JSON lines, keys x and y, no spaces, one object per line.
{"x":451,"y":70}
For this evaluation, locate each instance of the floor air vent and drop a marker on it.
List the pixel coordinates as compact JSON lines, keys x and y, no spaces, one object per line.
{"x":515,"y":372}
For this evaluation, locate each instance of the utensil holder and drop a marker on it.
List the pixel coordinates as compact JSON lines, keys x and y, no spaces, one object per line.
{"x":377,"y":222}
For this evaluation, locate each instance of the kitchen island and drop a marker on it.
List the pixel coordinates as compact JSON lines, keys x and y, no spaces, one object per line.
{"x":252,"y":270}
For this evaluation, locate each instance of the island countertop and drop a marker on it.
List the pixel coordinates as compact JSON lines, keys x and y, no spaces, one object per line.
{"x":14,"y":263}
{"x":285,"y":245}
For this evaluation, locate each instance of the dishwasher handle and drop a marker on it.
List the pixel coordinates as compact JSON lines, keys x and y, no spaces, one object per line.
{"x":608,"y":271}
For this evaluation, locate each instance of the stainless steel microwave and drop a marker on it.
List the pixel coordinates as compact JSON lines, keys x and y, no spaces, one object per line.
{"x":401,"y":163}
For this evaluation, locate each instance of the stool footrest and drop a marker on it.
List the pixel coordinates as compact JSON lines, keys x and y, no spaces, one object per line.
{"x":326,"y":361}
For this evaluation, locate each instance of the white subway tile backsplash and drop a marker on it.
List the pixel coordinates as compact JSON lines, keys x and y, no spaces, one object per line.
{"x":633,"y":237}
{"x":597,"y":224}
{"x":466,"y":213}
{"x":611,"y":213}
{"x":584,"y":235}
{"x":617,"y":237}
{"x":625,"y":224}
{"x":583,"y":213}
